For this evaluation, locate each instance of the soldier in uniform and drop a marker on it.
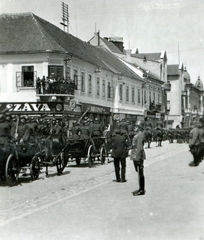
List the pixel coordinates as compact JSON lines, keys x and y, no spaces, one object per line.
{"x":194,"y":144}
{"x":123,"y":125}
{"x":96,"y":129}
{"x":85,"y":129}
{"x":119,"y":145}
{"x":75,"y":130}
{"x":138,"y":156}
{"x":5,"y":130}
{"x":56,"y":128}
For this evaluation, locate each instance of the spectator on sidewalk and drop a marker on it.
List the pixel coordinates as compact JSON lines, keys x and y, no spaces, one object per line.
{"x":119,"y":152}
{"x":138,"y":156}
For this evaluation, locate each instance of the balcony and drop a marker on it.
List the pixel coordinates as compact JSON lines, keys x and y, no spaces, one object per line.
{"x":55,"y":90}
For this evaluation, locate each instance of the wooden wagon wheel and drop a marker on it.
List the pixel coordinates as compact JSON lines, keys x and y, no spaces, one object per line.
{"x":35,"y":168}
{"x":90,"y":155}
{"x":102,"y":154}
{"x":12,"y":170}
{"x":62,"y":162}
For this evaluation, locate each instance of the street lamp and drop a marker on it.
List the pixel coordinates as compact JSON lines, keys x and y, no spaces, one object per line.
{"x":167,"y":112}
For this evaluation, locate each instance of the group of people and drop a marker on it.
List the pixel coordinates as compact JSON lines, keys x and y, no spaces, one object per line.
{"x":51,"y":85}
{"x":121,"y":144}
{"x":22,"y":128}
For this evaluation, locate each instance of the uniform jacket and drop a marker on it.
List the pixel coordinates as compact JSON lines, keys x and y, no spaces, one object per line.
{"x":119,"y":145}
{"x":137,"y":152}
{"x":96,"y":129}
{"x":194,"y":137}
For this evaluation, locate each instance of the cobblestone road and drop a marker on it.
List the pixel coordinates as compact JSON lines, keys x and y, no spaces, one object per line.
{"x":29,"y":197}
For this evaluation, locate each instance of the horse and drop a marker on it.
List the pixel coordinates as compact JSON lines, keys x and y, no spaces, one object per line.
{"x":148,"y":136}
{"x":55,"y":152}
{"x":158,"y":134}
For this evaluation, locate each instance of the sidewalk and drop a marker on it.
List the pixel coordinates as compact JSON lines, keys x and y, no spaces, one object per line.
{"x":172,"y":207}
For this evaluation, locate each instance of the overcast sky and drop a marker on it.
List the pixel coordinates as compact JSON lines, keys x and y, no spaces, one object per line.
{"x":149,"y":25}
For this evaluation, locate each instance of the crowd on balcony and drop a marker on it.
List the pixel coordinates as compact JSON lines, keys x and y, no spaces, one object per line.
{"x":51,"y":85}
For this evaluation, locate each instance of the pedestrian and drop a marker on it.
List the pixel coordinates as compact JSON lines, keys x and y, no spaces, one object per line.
{"x":119,"y":145}
{"x":138,"y":156}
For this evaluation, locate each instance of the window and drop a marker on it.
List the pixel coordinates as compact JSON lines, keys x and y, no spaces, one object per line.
{"x":109,"y":90}
{"x":90,"y":84}
{"x":104,"y":89}
{"x":145,"y":97}
{"x":127,"y":93}
{"x":154,"y":97}
{"x":98,"y":86}
{"x":133,"y":95}
{"x":138,"y":97}
{"x":76,"y":77}
{"x":68,"y":73}
{"x":55,"y":71}
{"x":27,"y":76}
{"x":121,"y":92}
{"x":82,"y":81}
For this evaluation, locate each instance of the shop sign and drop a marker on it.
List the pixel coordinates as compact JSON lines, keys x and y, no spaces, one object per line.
{"x":95,"y":108}
{"x":32,"y":107}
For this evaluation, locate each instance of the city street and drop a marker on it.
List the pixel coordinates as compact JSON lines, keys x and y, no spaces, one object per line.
{"x":86,"y":203}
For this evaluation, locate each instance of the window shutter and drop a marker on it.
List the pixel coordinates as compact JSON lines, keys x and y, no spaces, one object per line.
{"x":18,"y":80}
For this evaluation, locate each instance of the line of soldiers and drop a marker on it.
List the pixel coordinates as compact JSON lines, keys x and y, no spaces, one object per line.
{"x":21,"y":128}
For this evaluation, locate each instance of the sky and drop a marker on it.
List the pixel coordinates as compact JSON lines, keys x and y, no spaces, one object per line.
{"x":174,"y":26}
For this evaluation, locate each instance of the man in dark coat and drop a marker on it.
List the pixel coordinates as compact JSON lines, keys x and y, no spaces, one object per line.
{"x":119,"y":152}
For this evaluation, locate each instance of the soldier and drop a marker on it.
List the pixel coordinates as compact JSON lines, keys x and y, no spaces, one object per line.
{"x":22,"y":133}
{"x":119,"y":145}
{"x":138,"y":156}
{"x":123,"y":125}
{"x":75,"y":130}
{"x":96,"y":129}
{"x":5,"y":130}
{"x":194,"y":144}
{"x":85,"y":129}
{"x":56,"y":128}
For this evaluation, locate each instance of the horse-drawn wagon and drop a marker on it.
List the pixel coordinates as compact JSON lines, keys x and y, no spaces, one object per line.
{"x":90,"y":148}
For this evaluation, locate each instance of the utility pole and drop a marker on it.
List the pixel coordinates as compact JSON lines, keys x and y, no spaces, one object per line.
{"x":65,"y":16}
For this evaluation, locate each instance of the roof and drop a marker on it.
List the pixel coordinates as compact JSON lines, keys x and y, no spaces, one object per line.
{"x":199,"y":84}
{"x":111,"y":46}
{"x":187,"y":77}
{"x":173,"y":69}
{"x":28,"y":33}
{"x":149,"y":56}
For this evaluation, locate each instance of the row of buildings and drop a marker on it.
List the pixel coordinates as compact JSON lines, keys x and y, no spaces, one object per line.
{"x":110,"y":82}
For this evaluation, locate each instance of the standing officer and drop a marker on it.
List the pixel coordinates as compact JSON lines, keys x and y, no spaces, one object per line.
{"x":123,"y":125}
{"x":138,"y":156}
{"x":194,"y":144}
{"x":5,"y":129}
{"x":119,"y":152}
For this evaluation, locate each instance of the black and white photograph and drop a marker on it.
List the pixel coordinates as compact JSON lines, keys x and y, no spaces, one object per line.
{"x":101,"y":120}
